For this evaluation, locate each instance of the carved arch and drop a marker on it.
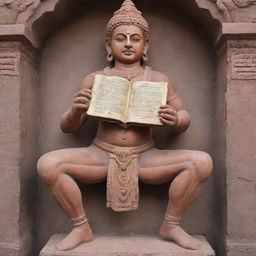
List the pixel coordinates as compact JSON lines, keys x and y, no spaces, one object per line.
{"x":50,"y":13}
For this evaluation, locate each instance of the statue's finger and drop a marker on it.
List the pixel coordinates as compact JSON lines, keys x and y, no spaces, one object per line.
{"x":168,"y":115}
{"x":87,"y":94}
{"x":162,"y":120}
{"x":87,"y":90}
{"x":166,"y":122}
{"x":164,"y":106}
{"x":168,"y":110}
{"x":167,"y":107}
{"x":81,"y":106}
{"x":83,"y":93}
{"x":80,"y":100}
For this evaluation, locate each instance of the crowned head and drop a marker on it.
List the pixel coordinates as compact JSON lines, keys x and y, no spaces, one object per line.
{"x":127,"y":35}
{"x":128,"y":14}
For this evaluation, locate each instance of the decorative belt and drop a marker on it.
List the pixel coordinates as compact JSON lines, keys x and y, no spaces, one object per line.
{"x":122,"y":180}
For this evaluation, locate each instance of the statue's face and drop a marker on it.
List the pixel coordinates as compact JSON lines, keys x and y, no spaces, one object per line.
{"x":127,"y":44}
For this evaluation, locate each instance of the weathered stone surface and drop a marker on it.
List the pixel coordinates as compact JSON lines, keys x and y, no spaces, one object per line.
{"x":240,"y":147}
{"x":10,"y":152}
{"x":243,"y":63}
{"x":20,"y":11}
{"x":18,"y":128}
{"x":239,"y":29}
{"x":17,"y":11}
{"x":126,"y":246}
{"x":241,"y":248}
{"x":17,"y":32}
{"x":9,"y":63}
{"x":9,"y":249}
{"x":237,"y":10}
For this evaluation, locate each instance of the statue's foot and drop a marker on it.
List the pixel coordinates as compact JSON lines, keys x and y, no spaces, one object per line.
{"x":177,"y":234}
{"x":76,"y":237}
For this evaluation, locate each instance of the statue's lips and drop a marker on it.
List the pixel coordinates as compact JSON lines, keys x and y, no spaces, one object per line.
{"x":128,"y":52}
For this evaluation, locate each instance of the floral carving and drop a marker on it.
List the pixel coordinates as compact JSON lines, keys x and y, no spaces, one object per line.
{"x":237,"y":10}
{"x":17,"y":11}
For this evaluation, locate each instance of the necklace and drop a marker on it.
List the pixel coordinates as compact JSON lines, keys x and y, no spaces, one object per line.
{"x":127,"y":74}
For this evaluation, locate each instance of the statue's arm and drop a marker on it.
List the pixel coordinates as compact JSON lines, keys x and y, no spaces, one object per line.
{"x":174,"y":113}
{"x":183,"y":116}
{"x":75,"y":116}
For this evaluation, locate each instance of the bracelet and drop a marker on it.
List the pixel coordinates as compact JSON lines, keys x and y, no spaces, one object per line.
{"x":79,"y":221}
{"x":172,"y":219}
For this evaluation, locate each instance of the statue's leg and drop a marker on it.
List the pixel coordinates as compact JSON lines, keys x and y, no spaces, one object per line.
{"x":59,"y":170}
{"x":188,"y":170}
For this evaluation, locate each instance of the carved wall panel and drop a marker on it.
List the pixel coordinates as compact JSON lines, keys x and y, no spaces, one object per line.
{"x":8,"y":63}
{"x":237,"y":10}
{"x":9,"y":59}
{"x":20,"y":11}
{"x":243,"y":64}
{"x":17,"y":11}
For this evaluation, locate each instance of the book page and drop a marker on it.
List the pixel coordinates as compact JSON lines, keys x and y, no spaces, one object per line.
{"x":146,"y":99}
{"x":109,"y":97}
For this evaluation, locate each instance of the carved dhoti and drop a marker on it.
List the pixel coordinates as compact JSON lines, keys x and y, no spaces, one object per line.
{"x":122,"y":180}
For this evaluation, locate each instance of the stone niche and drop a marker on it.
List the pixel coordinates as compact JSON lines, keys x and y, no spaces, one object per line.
{"x":181,"y":50}
{"x":211,"y":61}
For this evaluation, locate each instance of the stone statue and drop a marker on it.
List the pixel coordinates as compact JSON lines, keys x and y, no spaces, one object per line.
{"x":121,"y":154}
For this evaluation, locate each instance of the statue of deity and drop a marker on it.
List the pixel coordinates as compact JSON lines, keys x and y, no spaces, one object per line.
{"x":120,"y":154}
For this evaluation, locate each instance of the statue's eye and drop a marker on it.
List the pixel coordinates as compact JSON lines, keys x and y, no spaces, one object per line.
{"x":135,"y":39}
{"x":120,"y":39}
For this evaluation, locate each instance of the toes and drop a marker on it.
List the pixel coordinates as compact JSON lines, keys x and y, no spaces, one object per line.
{"x":191,"y":245}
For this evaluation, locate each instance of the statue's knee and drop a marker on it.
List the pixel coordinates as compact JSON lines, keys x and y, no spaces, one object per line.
{"x":203,"y":162}
{"x":47,"y":166}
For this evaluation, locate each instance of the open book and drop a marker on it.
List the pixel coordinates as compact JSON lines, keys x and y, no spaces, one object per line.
{"x":117,"y":99}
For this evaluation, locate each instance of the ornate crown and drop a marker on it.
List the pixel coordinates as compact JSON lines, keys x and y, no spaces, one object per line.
{"x":128,"y":14}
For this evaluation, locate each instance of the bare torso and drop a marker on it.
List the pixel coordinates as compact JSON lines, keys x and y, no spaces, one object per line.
{"x":117,"y":135}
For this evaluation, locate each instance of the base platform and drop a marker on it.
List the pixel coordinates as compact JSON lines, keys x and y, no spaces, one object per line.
{"x":135,"y":245}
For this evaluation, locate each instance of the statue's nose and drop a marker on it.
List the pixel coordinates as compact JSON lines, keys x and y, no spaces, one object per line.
{"x":128,"y":42}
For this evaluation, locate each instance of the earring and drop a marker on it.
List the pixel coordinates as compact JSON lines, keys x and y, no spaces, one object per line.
{"x":145,"y":57}
{"x":110,"y":57}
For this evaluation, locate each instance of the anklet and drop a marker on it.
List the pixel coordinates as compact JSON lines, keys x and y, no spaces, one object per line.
{"x":172,"y":220}
{"x":79,"y":221}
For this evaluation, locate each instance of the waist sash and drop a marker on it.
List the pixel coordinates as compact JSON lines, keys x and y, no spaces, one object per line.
{"x":122,"y":180}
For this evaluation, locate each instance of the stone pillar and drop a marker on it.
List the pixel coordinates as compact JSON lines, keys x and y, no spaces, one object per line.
{"x":18,"y":136}
{"x":236,"y":108}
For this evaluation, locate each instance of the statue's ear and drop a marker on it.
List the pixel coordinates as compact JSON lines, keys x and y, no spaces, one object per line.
{"x":145,"y":51}
{"x":110,"y":57}
{"x":108,"y":47}
{"x":146,"y":47}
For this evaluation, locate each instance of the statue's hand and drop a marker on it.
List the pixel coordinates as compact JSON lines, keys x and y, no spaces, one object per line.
{"x":81,"y":102}
{"x":168,"y":115}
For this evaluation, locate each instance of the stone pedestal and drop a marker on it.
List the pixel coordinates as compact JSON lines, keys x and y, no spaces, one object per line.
{"x":139,"y":245}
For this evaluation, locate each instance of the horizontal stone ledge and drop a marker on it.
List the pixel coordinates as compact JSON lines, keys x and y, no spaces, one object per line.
{"x":134,"y":245}
{"x":17,"y":32}
{"x":236,"y":31}
{"x":241,"y":248}
{"x":9,"y":249}
{"x":239,"y":29}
